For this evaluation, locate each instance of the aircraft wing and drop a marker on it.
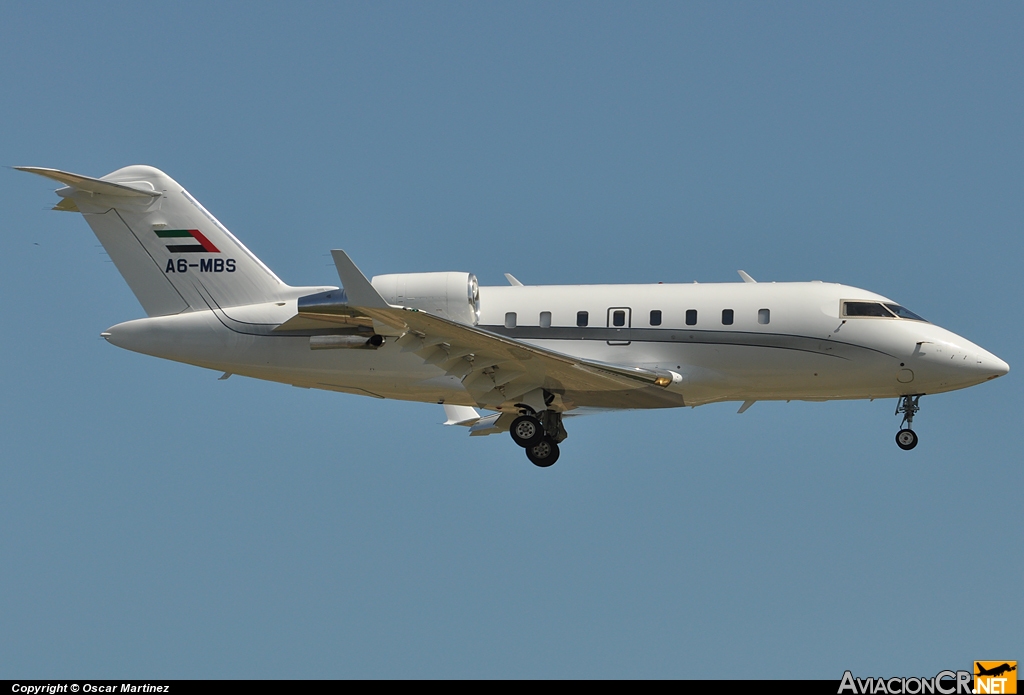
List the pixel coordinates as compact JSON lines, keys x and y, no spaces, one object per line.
{"x":494,"y":369}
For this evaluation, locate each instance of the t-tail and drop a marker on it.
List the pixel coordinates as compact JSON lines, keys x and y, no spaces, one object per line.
{"x":175,"y":256}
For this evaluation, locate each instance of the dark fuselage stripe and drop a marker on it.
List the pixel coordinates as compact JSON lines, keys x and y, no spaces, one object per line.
{"x":779,"y":341}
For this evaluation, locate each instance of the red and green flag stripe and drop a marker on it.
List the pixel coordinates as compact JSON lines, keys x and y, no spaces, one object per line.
{"x":204,"y":245}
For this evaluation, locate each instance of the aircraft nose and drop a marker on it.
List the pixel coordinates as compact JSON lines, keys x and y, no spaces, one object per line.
{"x":993,"y":364}
{"x":945,"y":360}
{"x":984,"y":365}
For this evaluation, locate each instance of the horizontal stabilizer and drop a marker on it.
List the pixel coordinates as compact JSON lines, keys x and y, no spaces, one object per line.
{"x":492,"y":424}
{"x":86,"y":183}
{"x":461,"y":415}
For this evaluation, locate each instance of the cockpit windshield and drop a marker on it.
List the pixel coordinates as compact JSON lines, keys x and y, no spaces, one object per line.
{"x":878,"y":309}
{"x":866,"y":309}
{"x":904,"y":313}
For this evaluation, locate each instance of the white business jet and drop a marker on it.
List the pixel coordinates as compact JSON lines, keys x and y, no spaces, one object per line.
{"x":529,"y":354}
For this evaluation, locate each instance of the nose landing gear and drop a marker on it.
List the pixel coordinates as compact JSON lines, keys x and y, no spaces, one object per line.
{"x":906,"y":438}
{"x":539,"y":434}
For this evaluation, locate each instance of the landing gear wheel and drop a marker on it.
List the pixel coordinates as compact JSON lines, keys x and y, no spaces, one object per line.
{"x":906,"y":439}
{"x":526,"y":431}
{"x":544,"y":453}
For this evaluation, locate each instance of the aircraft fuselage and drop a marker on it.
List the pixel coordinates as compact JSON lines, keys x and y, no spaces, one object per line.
{"x":785,"y":341}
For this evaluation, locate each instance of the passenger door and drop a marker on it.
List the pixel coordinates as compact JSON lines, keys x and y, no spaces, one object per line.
{"x":619,"y":321}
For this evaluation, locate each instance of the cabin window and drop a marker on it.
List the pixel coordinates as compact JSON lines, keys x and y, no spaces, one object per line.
{"x":582,"y":318}
{"x":866,"y":309}
{"x":545,"y":319}
{"x":764,"y":316}
{"x":691,"y":317}
{"x":656,"y":317}
{"x":727,"y":315}
{"x":510,"y":319}
{"x":619,"y":318}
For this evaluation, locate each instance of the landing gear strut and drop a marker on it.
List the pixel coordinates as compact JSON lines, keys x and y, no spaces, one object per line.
{"x":539,"y":434}
{"x":906,"y":438}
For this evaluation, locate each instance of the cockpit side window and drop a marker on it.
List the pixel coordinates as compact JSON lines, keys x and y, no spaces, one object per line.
{"x":866,"y":309}
{"x":904,"y":313}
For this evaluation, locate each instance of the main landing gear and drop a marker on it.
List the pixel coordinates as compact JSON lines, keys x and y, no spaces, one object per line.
{"x":906,"y":438}
{"x":539,"y":434}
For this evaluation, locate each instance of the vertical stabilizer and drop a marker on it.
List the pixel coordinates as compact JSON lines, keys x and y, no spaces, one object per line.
{"x":174,"y":255}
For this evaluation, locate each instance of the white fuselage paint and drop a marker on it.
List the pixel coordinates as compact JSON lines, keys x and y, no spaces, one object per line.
{"x":806,"y":351}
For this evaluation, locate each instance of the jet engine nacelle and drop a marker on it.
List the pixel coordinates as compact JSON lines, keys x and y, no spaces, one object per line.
{"x":455,"y":296}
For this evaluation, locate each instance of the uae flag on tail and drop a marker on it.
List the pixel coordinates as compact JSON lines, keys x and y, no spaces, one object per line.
{"x":179,"y":241}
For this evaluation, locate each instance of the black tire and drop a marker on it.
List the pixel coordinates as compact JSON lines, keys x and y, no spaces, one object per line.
{"x":906,"y":439}
{"x":544,"y":453}
{"x":526,"y":431}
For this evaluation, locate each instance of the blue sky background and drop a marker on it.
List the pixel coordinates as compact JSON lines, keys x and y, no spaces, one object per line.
{"x":155,"y":522}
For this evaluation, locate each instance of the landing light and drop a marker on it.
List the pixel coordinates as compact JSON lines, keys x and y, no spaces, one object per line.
{"x":663,"y":381}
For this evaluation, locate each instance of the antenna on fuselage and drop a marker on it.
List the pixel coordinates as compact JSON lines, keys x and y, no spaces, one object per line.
{"x":746,"y":278}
